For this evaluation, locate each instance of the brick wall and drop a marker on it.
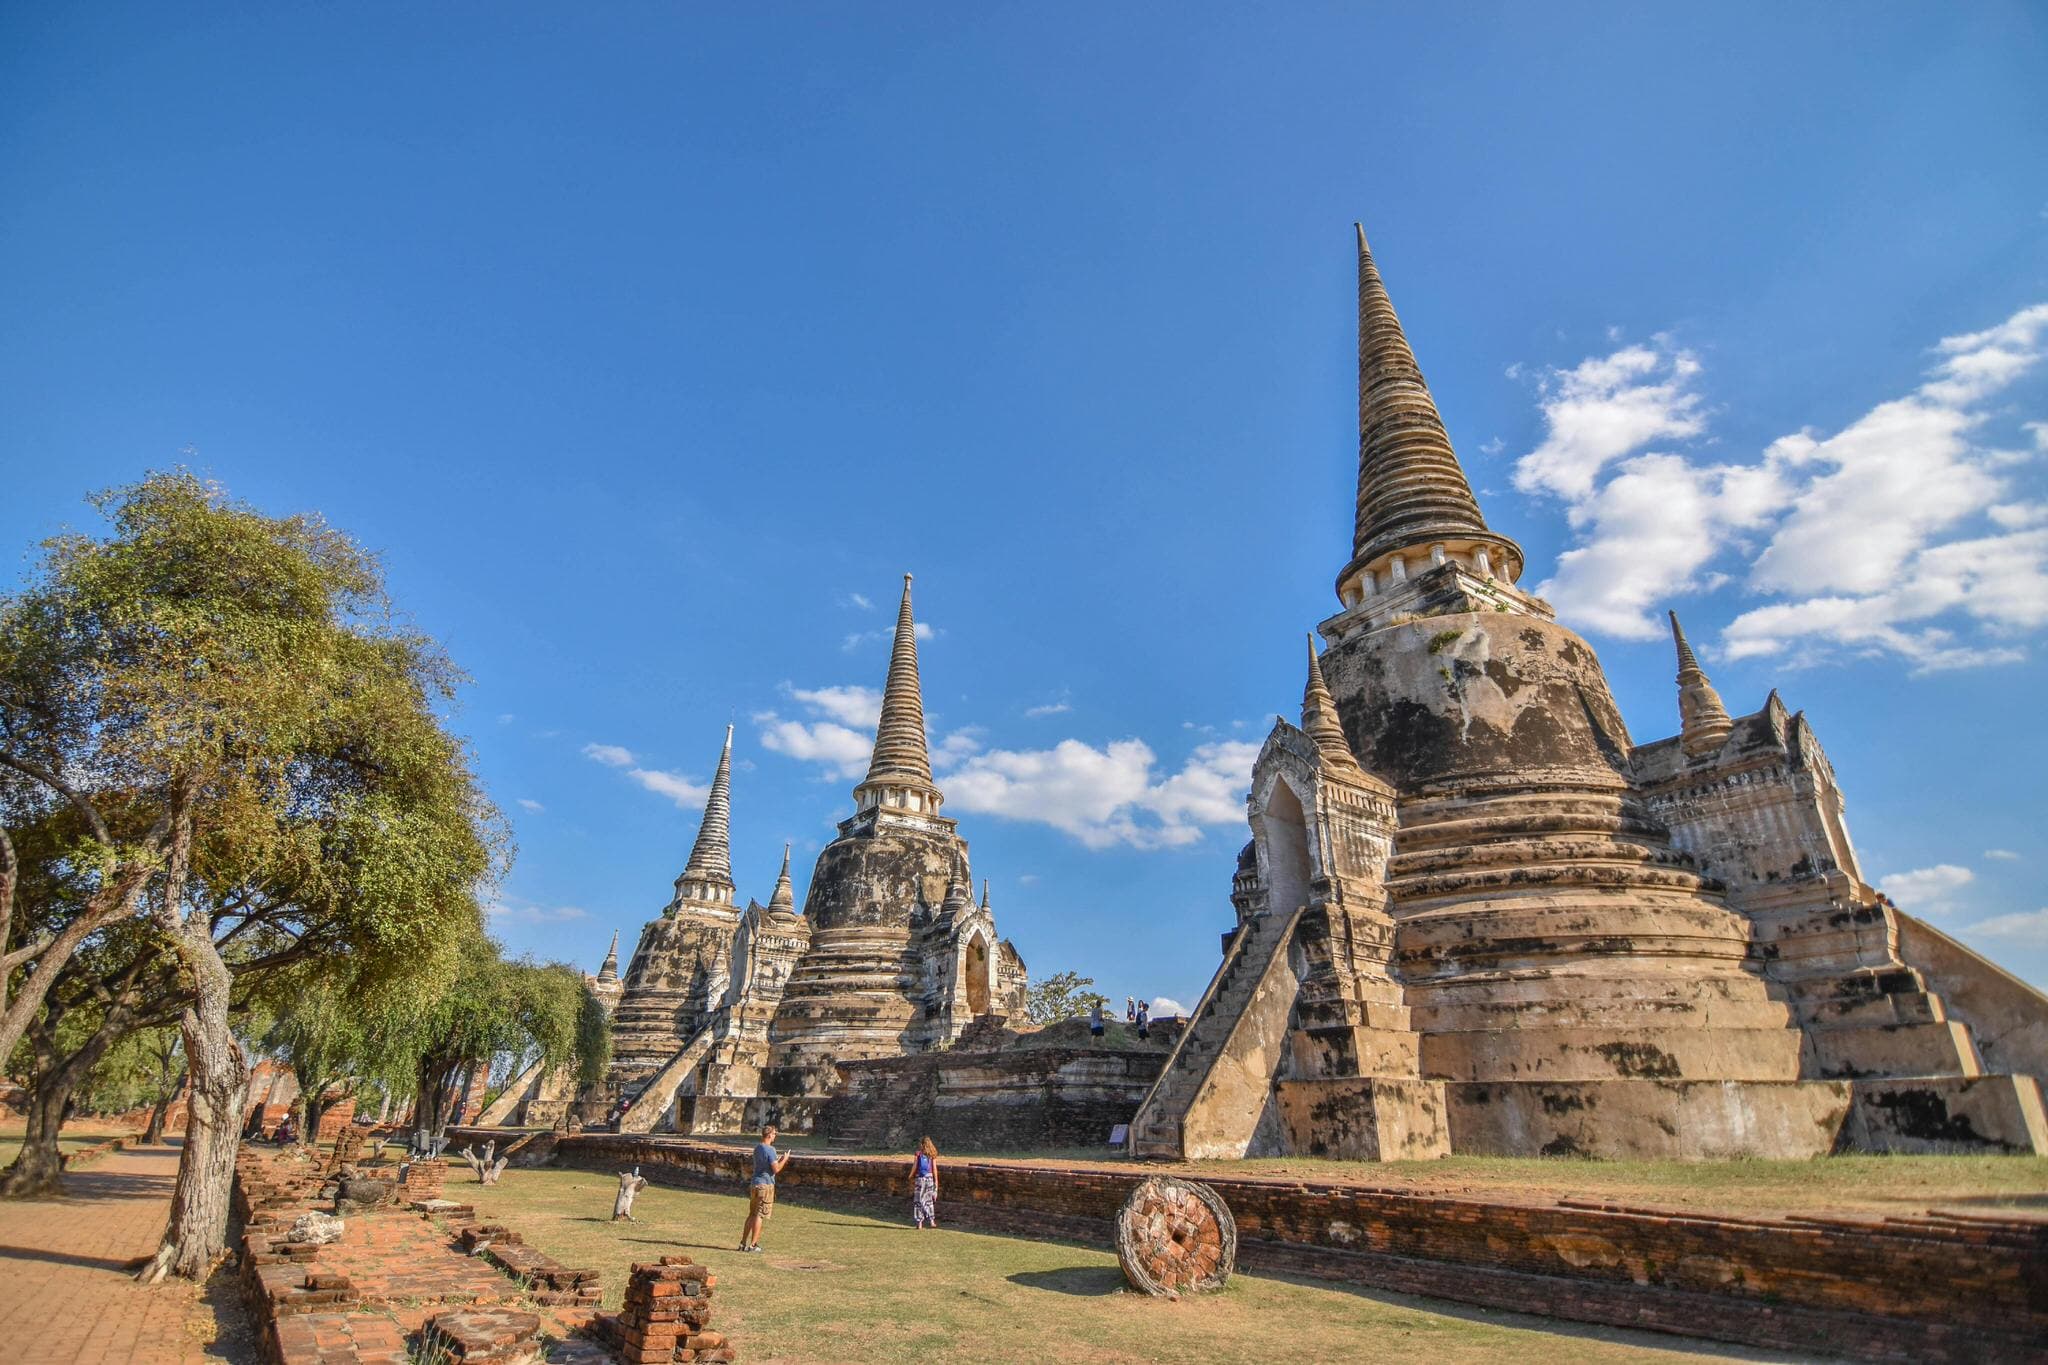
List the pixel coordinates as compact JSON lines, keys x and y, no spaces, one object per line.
{"x":1930,"y":1288}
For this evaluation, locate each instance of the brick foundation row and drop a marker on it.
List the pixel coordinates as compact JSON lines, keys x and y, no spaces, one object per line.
{"x":1934,"y":1287}
{"x":310,"y":1313}
{"x":71,"y":1161}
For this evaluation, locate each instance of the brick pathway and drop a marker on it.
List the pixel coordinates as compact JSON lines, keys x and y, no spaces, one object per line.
{"x":65,"y":1296}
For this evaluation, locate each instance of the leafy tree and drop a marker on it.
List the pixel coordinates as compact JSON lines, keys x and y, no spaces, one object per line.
{"x":323,"y":1035}
{"x":593,"y":1041}
{"x":1063,"y":995}
{"x":246,"y":737}
{"x":496,"y":1006}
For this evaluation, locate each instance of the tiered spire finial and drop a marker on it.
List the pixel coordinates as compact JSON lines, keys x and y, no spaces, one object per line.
{"x":609,"y":972}
{"x":1319,"y":717}
{"x":902,"y":763}
{"x":784,"y":898}
{"x":984,"y":893}
{"x":1702,"y":719}
{"x":1412,"y":492}
{"x":711,"y":856}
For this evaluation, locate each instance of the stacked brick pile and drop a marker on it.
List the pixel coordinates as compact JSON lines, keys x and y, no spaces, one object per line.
{"x":348,"y":1149}
{"x":422,"y":1180}
{"x":666,"y":1317}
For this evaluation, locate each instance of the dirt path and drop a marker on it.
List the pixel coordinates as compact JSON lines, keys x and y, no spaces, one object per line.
{"x":65,"y":1293}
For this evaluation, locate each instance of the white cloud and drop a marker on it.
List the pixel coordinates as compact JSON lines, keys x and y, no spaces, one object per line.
{"x":525,"y":912}
{"x":686,"y":794}
{"x":1027,"y":879}
{"x":527,"y":803}
{"x":676,"y":787}
{"x":1051,"y":708}
{"x":1605,"y":407}
{"x":843,"y":752}
{"x":919,"y":630}
{"x":861,"y":600}
{"x":1108,"y":796}
{"x":2028,"y":928}
{"x":1166,"y":1007}
{"x":1928,"y":891}
{"x":849,"y":705}
{"x":958,"y":744}
{"x":857,"y":639}
{"x":506,"y":718}
{"x":2003,"y":855}
{"x":1898,"y":535}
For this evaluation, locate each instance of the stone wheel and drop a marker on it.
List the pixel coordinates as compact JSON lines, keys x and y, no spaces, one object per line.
{"x":1175,"y":1237}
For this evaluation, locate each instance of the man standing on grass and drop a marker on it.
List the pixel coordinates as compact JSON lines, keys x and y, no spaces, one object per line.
{"x":761,"y":1189}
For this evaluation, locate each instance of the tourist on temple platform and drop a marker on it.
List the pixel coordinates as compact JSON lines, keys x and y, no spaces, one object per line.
{"x":1130,"y":1011}
{"x":1095,"y":1019}
{"x":761,"y":1189}
{"x":924,"y":1185}
{"x":1144,"y":1021}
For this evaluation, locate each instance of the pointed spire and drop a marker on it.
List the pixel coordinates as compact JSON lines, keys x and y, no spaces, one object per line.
{"x":1703,"y":722}
{"x":1412,"y":492}
{"x":784,"y":898}
{"x":711,"y":856}
{"x":902,"y":762}
{"x":609,"y":972}
{"x":984,"y":893}
{"x":1319,"y":716}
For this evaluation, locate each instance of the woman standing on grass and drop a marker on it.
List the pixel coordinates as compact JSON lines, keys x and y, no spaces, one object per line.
{"x":924,"y":1185}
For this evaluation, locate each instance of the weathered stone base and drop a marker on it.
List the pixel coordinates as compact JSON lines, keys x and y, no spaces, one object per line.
{"x":1646,"y":1119}
{"x":1011,"y":1100}
{"x":724,"y":1115}
{"x":1366,"y":1119}
{"x":1948,"y":1114}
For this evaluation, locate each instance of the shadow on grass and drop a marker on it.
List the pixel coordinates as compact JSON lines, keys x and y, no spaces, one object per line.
{"x":1086,"y":1281}
{"x":876,"y":1226}
{"x":688,"y":1246}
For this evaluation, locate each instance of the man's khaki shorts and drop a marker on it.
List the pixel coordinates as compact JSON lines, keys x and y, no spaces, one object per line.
{"x":760,"y":1201}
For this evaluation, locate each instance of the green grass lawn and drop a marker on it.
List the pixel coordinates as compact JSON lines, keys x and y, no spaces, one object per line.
{"x":834,"y":1286}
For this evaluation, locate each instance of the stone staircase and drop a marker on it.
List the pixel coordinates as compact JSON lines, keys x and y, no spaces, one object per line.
{"x":1160,"y":1129}
{"x":885,"y":1113}
{"x":655,"y":1097}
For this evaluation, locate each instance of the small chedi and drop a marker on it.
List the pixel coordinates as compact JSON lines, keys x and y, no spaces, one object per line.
{"x":1476,"y":916}
{"x":729,"y":1018}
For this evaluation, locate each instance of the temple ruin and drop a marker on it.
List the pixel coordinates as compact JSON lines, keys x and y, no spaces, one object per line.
{"x":730,"y":1018}
{"x":1476,"y":916}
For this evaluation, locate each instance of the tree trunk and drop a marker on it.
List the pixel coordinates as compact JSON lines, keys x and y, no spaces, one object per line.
{"x":38,"y":1170}
{"x":154,"y":1133}
{"x":198,"y":1231}
{"x":432,"y":1109}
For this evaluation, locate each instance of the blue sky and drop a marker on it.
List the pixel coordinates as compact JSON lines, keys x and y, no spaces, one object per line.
{"x":651,"y":345}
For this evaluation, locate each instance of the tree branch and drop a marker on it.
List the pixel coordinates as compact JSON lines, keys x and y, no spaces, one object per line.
{"x":29,"y":768}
